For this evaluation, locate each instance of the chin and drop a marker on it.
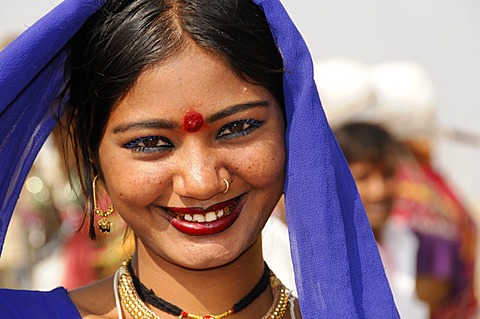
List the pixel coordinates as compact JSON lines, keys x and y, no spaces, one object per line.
{"x":207,"y":263}
{"x":207,"y":256}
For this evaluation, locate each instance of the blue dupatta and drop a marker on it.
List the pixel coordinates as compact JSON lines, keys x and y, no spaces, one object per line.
{"x":338,"y":271}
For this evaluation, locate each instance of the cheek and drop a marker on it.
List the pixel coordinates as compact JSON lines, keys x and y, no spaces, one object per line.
{"x":131,"y":181}
{"x":362,"y":189}
{"x":262,"y":166}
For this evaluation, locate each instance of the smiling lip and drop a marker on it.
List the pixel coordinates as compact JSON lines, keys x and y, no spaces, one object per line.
{"x":232,"y":207}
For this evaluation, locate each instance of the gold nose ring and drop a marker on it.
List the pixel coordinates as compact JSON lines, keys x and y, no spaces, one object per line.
{"x":227,"y":187}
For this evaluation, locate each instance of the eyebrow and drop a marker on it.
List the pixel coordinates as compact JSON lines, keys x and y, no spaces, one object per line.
{"x":167,"y":124}
{"x":156,"y":124}
{"x":235,"y":109}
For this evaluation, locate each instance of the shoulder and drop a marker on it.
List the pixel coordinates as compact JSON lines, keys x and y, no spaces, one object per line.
{"x":96,"y":300}
{"x":19,"y":304}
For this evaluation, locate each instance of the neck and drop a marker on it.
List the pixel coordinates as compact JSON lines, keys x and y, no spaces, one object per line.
{"x":206,"y":291}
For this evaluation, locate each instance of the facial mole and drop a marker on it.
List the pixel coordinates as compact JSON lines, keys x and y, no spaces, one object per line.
{"x":192,"y":121}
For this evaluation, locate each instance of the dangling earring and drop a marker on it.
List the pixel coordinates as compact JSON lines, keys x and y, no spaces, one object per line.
{"x":103,"y":224}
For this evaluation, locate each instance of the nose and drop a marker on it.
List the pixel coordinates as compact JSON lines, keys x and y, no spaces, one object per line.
{"x":200,"y":173}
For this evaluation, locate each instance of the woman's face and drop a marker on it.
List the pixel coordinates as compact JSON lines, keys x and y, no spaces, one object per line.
{"x":186,"y":125}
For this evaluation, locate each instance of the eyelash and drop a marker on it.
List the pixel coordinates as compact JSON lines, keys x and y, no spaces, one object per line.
{"x":135,"y":146}
{"x":252,"y":125}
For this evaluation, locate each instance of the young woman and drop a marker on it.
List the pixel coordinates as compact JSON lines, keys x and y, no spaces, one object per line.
{"x":194,"y":117}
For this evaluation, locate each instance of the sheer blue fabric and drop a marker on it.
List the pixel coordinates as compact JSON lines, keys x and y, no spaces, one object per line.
{"x":24,"y":304}
{"x":31,"y":77}
{"x":338,"y":271}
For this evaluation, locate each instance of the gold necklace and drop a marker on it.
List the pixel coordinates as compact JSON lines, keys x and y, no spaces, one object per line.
{"x":137,"y":309}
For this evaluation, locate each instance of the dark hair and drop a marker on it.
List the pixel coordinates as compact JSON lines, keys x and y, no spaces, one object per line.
{"x":366,"y":142}
{"x":126,"y":37}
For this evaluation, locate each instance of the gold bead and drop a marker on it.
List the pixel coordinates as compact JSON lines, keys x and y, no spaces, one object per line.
{"x":139,"y":310}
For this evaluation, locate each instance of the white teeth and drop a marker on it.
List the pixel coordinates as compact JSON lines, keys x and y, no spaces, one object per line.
{"x":210,"y":217}
{"x":198,"y":218}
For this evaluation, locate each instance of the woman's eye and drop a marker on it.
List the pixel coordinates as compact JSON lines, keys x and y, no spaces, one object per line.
{"x":238,"y":128}
{"x":149,"y":144}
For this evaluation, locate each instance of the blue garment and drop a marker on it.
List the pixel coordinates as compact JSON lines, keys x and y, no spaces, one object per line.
{"x":21,"y":304}
{"x":338,"y":271}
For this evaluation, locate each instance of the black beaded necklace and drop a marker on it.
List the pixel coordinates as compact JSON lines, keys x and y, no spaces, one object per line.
{"x":147,"y":295}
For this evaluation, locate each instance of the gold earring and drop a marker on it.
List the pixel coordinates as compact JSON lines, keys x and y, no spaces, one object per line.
{"x":104,"y":224}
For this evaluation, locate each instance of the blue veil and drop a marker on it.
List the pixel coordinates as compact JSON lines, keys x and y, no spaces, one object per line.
{"x":338,"y":272}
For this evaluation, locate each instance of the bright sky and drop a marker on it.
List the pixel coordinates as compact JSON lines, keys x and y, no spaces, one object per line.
{"x":440,"y":35}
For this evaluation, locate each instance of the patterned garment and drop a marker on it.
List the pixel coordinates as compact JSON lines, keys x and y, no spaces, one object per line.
{"x":446,"y":233}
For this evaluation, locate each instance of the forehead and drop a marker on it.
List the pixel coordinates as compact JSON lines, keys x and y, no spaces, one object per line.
{"x":195,"y":80}
{"x":386,"y":165}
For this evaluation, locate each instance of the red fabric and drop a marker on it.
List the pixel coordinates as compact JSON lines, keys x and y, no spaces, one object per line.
{"x":79,"y":259}
{"x":429,"y":206}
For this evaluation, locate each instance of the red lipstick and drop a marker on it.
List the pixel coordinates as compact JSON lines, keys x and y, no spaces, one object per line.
{"x":232,"y":210}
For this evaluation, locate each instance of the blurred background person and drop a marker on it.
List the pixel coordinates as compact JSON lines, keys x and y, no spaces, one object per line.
{"x":405,"y":102}
{"x":400,"y":97}
{"x":372,"y":155}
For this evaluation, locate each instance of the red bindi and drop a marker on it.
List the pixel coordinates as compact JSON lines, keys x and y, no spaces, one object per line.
{"x":192,"y":121}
